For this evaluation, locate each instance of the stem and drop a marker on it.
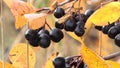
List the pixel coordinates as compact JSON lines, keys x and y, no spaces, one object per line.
{"x":111,"y":56}
{"x":48,"y":25}
{"x":65,"y":2}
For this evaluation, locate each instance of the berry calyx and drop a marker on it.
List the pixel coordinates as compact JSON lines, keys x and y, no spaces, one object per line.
{"x":59,"y":12}
{"x":117,"y":40}
{"x":56,"y":35}
{"x":59,"y":62}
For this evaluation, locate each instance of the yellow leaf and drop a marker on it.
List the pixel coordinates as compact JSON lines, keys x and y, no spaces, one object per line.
{"x":108,"y":13}
{"x":113,"y":64}
{"x":49,"y":63}
{"x":18,"y":56}
{"x":92,"y":59}
{"x":36,"y":20}
{"x":20,"y":21}
{"x":7,"y":65}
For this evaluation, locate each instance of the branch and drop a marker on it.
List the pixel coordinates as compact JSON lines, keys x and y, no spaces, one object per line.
{"x":65,"y":2}
{"x":112,"y":56}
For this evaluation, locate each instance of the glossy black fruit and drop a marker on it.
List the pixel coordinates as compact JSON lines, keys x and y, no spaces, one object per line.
{"x":56,"y":35}
{"x":81,"y":17}
{"x":117,"y":40}
{"x":98,"y":28}
{"x":79,"y":30}
{"x":44,"y":41}
{"x":32,"y":37}
{"x":70,"y":25}
{"x":113,"y":31}
{"x":59,"y":25}
{"x":59,"y":12}
{"x":89,"y":12}
{"x":59,"y":62}
{"x":43,"y":31}
{"x":30,"y":34}
{"x":106,"y":28}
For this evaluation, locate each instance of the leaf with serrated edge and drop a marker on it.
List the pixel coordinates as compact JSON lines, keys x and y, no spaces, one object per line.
{"x":107,"y":13}
{"x":18,"y":56}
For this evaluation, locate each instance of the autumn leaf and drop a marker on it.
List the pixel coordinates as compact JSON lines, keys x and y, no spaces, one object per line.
{"x":113,"y":64}
{"x":18,"y":9}
{"x":36,"y":20}
{"x":107,"y":13}
{"x":18,"y":56}
{"x":7,"y":65}
{"x":92,"y":59}
{"x":49,"y":63}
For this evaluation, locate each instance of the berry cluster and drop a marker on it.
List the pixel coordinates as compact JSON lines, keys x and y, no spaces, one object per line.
{"x":112,"y":30}
{"x":42,"y":37}
{"x":73,"y":24}
{"x":68,"y":62}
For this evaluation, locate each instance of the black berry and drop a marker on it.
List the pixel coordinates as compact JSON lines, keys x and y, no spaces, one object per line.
{"x":113,"y":31}
{"x":59,"y":25}
{"x":106,"y":28}
{"x":89,"y":12}
{"x":81,"y":17}
{"x":56,"y":34}
{"x":59,"y":62}
{"x":70,"y":25}
{"x":98,"y":28}
{"x":117,"y":40}
{"x":79,"y":30}
{"x":30,"y":34}
{"x":43,"y":31}
{"x":32,"y":37}
{"x":59,"y":12}
{"x":44,"y":41}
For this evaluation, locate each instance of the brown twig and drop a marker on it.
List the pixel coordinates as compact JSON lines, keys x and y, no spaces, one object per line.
{"x":111,"y":56}
{"x":65,"y":2}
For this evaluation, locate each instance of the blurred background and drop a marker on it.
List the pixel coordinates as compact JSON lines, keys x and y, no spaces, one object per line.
{"x":66,"y":47}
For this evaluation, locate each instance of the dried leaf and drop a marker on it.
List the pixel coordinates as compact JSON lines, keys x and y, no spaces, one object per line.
{"x":108,"y":13}
{"x":36,"y":20}
{"x":96,"y":61}
{"x":7,"y":65}
{"x":18,"y":56}
{"x":113,"y":64}
{"x":49,"y":63}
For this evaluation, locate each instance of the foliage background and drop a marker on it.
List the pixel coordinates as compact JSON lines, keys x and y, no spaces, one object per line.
{"x":67,"y":47}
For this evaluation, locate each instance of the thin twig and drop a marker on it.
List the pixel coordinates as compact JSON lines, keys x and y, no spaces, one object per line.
{"x":111,"y":56}
{"x":65,"y":2}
